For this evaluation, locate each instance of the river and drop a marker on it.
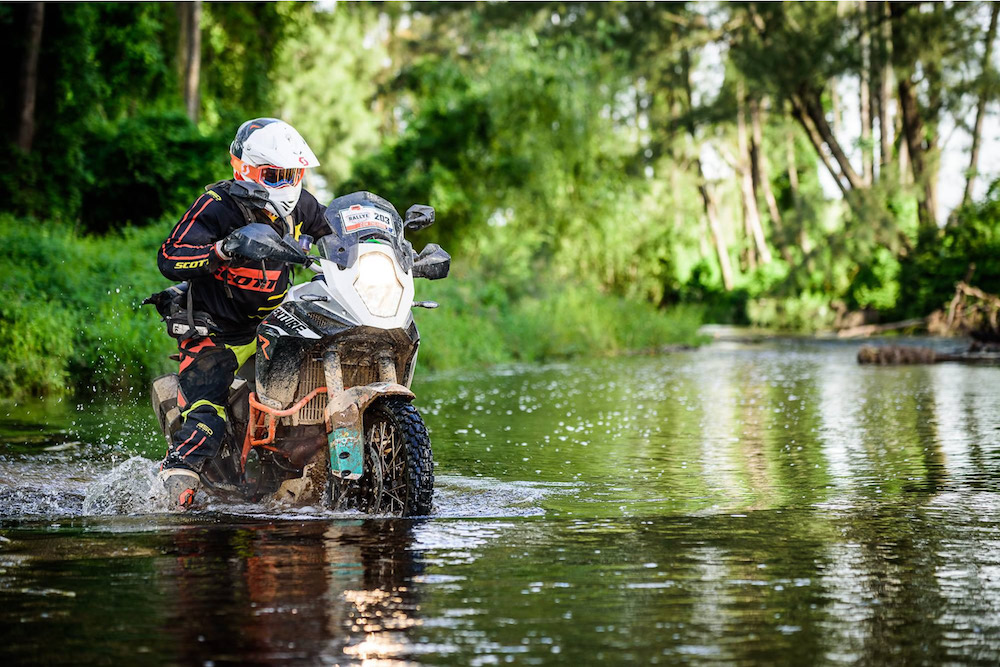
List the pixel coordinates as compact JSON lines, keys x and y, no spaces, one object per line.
{"x":741,"y":503}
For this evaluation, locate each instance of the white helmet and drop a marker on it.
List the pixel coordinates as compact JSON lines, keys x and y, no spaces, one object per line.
{"x":270,"y":152}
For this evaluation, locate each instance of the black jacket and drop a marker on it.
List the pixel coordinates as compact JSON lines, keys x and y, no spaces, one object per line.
{"x":189,"y":254}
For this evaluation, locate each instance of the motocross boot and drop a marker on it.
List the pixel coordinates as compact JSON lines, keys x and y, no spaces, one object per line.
{"x":180,"y":486}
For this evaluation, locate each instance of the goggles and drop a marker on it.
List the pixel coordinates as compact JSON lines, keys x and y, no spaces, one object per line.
{"x":269,"y":176}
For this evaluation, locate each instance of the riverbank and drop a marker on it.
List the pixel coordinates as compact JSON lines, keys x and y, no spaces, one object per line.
{"x":70,"y":321}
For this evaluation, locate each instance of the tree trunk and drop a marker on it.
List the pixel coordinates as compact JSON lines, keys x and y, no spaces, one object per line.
{"x":809,"y":112}
{"x":864,"y":90}
{"x":919,"y":125}
{"x":792,"y":166}
{"x":885,"y":89}
{"x":762,"y":176}
{"x":913,"y":133}
{"x":751,"y":214}
{"x":835,"y":107}
{"x":711,"y":212}
{"x":977,"y":130}
{"x":798,"y":111}
{"x":29,"y":77}
{"x":880,"y":17}
{"x":191,"y":40}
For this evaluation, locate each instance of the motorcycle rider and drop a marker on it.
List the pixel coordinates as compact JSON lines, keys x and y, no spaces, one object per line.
{"x":268,"y":157}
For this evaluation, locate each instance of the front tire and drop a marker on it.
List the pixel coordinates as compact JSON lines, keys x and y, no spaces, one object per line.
{"x":398,"y":474}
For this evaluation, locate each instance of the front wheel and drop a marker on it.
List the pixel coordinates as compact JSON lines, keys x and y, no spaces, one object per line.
{"x":398,"y":474}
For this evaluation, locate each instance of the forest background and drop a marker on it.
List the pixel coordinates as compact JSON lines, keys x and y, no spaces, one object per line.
{"x":607,"y":176}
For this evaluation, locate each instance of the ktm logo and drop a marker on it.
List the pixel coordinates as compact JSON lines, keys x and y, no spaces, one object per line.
{"x":253,"y":283}
{"x":253,"y":280}
{"x":264,"y":342}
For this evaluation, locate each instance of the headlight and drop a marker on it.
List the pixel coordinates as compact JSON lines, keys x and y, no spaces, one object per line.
{"x":378,"y":285}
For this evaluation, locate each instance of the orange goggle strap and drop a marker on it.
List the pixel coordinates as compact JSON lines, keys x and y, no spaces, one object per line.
{"x":287,"y":176}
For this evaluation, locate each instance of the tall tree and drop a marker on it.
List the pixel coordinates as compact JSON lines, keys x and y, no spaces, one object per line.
{"x":864,"y":97}
{"x":919,"y":124}
{"x":29,"y":77}
{"x":786,"y":34}
{"x":191,"y":56}
{"x":704,"y":189}
{"x":751,"y":214}
{"x":881,"y":11}
{"x":984,"y":94}
{"x":762,"y":176}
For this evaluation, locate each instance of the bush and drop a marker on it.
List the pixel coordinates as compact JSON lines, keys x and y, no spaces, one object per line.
{"x":71,"y":321}
{"x":971,"y":244}
{"x":147,"y":167}
{"x":479,"y":325}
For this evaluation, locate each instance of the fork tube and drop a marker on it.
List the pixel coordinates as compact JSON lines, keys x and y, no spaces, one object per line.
{"x":386,"y":367}
{"x":333,"y":372}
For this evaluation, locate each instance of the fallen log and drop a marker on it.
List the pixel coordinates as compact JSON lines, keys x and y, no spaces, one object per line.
{"x":896,"y":355}
{"x":865,"y":330}
{"x":892,"y":355}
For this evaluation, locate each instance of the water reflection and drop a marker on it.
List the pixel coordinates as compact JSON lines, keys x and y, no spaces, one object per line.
{"x":291,"y":592}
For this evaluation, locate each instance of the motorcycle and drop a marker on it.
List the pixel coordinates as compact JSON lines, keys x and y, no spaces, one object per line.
{"x":323,"y":410}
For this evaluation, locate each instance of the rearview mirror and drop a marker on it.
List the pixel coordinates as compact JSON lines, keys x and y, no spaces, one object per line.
{"x":432,"y":263}
{"x":419,"y":216}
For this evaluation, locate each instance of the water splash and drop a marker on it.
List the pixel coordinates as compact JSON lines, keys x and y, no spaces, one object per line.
{"x":127,"y":489}
{"x":47,"y":488}
{"x":466,"y":497}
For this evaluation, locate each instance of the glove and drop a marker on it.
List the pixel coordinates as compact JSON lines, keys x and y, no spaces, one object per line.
{"x":228,"y":249}
{"x":251,"y":242}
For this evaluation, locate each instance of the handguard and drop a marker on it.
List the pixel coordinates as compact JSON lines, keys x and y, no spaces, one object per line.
{"x":259,"y":242}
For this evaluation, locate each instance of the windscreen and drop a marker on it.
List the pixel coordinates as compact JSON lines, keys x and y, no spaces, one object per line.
{"x":363,"y":217}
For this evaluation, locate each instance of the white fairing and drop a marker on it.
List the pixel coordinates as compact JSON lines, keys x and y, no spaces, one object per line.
{"x":374,"y":292}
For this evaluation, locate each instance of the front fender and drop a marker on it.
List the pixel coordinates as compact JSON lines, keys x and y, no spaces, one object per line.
{"x":343,"y":424}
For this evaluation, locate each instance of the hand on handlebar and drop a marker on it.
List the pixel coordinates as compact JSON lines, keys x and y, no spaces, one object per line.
{"x":236,"y":246}
{"x":259,"y":242}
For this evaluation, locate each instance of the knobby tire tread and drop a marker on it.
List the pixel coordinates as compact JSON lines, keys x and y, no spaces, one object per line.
{"x":419,"y":457}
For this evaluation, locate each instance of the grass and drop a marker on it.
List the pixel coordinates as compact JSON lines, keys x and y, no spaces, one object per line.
{"x":69,"y":315}
{"x":70,"y":321}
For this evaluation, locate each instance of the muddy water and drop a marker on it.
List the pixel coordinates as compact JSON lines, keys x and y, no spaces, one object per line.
{"x":738,"y":504}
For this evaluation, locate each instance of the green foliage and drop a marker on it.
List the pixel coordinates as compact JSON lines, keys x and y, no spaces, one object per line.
{"x":111,"y":143}
{"x":149,"y":165}
{"x":478,"y":324}
{"x":876,"y":285}
{"x":70,"y":320}
{"x":564,"y":145}
{"x":967,"y":250}
{"x":805,"y":311}
{"x":328,"y":99}
{"x":240,"y":53}
{"x":524,"y":147}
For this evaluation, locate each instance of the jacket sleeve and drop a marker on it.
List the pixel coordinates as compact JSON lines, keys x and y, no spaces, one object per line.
{"x":189,"y":251}
{"x":314,"y":222}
